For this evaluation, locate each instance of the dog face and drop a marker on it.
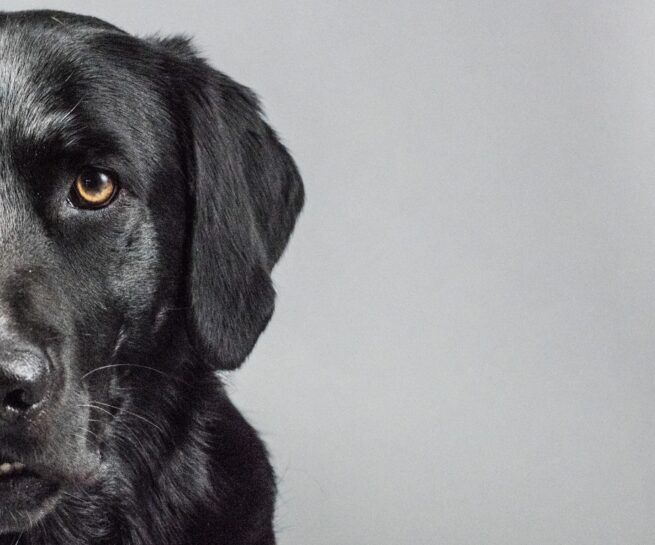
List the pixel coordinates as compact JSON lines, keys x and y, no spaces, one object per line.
{"x":143,"y":204}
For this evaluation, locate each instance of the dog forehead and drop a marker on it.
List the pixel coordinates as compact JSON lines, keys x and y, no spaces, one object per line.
{"x":34,"y":94}
{"x":70,"y":86}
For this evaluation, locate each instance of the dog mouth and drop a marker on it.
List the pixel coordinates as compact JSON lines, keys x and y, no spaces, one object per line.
{"x":24,"y":488}
{"x":16,"y":470}
{"x":11,"y":469}
{"x":17,"y":478}
{"x":30,"y":489}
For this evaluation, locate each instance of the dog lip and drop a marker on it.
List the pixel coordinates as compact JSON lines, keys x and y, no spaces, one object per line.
{"x":11,"y":468}
{"x":87,"y":470}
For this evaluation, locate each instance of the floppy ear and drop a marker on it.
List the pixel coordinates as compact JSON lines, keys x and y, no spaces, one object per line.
{"x":245,"y":193}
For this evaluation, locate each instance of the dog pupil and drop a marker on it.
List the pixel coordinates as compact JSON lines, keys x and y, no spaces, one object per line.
{"x":94,"y":181}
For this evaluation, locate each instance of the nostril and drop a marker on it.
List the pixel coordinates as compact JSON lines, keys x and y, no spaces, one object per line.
{"x":17,"y":400}
{"x":24,"y":383}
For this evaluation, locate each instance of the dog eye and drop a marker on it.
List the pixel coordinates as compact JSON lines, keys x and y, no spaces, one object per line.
{"x":93,"y":188}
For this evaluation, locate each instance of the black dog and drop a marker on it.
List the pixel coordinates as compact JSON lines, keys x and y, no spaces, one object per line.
{"x":143,"y":204}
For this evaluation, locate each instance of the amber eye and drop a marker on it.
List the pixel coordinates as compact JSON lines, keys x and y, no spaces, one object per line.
{"x":93,"y":188}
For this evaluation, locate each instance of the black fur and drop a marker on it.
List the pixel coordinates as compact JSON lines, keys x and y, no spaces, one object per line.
{"x":137,"y":304}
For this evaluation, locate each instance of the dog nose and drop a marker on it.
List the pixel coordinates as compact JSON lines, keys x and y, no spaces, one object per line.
{"x":24,"y":382}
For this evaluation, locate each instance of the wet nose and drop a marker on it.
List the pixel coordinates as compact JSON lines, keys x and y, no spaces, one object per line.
{"x":24,"y":379}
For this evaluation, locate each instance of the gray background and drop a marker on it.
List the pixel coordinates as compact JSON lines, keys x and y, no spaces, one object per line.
{"x":463,"y":346}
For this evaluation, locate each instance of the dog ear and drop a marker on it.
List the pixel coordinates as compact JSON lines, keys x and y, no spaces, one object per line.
{"x":246,"y":193}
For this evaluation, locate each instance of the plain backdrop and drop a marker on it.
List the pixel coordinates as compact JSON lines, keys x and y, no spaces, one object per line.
{"x":462,"y":351}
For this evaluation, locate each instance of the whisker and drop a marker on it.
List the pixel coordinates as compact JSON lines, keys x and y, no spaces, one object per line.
{"x":73,"y":496}
{"x":94,"y":407}
{"x":168,"y":375}
{"x":140,"y":417}
{"x":87,"y":430}
{"x":80,"y":436}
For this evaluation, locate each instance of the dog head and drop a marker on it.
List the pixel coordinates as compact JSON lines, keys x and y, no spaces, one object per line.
{"x":143,"y":203}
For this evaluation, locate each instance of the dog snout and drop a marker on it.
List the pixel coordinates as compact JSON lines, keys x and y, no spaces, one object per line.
{"x":24,"y":382}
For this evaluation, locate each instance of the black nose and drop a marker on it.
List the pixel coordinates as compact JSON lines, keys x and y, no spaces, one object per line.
{"x":24,"y":382}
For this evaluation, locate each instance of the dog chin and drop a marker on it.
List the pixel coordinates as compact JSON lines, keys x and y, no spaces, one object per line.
{"x":24,"y":504}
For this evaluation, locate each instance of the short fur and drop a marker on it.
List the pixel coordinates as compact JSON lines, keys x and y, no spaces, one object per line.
{"x":140,"y":302}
